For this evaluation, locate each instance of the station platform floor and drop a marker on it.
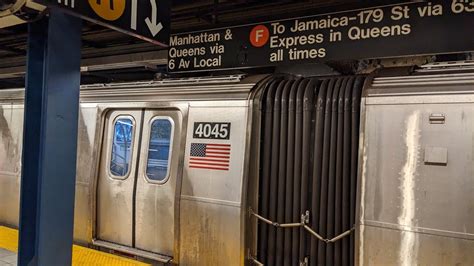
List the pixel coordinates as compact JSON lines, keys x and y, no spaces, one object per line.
{"x":81,"y":256}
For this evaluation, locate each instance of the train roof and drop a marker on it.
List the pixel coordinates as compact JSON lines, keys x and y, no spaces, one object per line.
{"x":232,"y":87}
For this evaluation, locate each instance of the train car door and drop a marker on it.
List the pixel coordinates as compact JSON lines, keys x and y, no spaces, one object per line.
{"x":136,"y":194}
{"x":156,"y":186}
{"x":117,"y":177}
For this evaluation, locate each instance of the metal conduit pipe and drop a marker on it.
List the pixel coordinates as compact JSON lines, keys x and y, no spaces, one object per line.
{"x":308,"y":98}
{"x":272,"y":237}
{"x":289,"y":256}
{"x":332,"y":172}
{"x":265,"y":173}
{"x":346,"y":162}
{"x":297,"y":170}
{"x":281,"y":256}
{"x":324,"y":172}
{"x":317,"y":163}
{"x":338,"y":177}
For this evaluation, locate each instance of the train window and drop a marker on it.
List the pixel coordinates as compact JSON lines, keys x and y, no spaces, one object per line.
{"x":159,"y":149}
{"x":122,"y":147}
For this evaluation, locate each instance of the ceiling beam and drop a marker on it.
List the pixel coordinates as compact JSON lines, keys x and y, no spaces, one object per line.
{"x":148,"y":60}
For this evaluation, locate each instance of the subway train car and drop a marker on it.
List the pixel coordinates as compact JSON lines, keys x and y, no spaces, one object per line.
{"x":271,"y":169}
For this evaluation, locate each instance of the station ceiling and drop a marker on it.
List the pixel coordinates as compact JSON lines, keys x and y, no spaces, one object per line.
{"x":111,"y":56}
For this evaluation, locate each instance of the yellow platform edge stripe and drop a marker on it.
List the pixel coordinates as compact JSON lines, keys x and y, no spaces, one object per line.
{"x":81,"y":256}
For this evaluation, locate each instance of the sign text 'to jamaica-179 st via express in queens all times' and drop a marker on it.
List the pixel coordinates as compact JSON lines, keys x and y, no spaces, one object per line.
{"x":416,"y":28}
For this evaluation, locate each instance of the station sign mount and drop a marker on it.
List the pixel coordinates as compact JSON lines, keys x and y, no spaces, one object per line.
{"x":146,"y":19}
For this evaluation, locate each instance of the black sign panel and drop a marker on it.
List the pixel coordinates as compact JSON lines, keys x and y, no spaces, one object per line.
{"x":417,"y":28}
{"x":145,"y":19}
{"x":211,"y":130}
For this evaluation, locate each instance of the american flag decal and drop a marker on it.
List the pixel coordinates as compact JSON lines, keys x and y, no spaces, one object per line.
{"x":210,"y":156}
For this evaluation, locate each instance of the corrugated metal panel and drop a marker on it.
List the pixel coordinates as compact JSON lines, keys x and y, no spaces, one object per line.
{"x":310,"y":136}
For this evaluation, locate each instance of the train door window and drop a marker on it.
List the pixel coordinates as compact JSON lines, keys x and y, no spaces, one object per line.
{"x":122,"y":147}
{"x":159,"y":149}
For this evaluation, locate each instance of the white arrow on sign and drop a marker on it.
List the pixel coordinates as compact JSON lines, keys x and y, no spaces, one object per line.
{"x":152,"y":24}
{"x":133,"y":15}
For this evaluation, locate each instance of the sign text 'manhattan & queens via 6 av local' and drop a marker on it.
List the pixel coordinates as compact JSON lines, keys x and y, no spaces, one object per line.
{"x":146,"y":19}
{"x":417,"y":28}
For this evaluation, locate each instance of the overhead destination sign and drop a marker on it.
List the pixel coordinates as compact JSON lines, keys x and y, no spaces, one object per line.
{"x":416,"y":28}
{"x":145,"y":19}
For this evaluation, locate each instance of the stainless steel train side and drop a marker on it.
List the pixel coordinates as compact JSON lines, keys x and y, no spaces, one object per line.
{"x":196,"y":211}
{"x":415,"y":185}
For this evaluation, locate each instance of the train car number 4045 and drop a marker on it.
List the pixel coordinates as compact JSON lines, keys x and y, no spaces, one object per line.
{"x":211,"y":130}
